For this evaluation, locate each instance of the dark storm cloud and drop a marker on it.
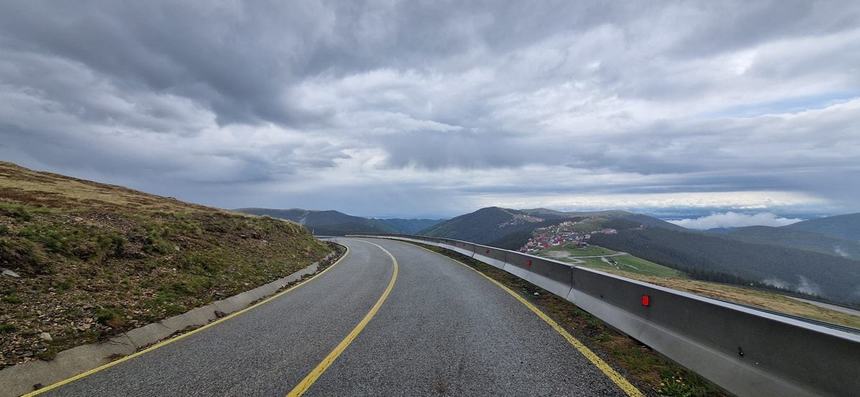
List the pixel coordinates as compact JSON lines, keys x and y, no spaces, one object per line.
{"x":410,"y":104}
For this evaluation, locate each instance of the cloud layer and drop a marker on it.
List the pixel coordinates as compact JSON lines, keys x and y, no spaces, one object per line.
{"x":434,"y":108}
{"x":735,"y":219}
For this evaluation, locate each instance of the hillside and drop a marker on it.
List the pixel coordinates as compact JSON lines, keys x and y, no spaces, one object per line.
{"x":497,"y":226}
{"x":785,"y":258}
{"x":409,"y":226}
{"x":325,"y":222}
{"x":511,"y":229}
{"x":722,"y":259}
{"x":845,"y":227}
{"x":337,"y":223}
{"x":794,"y":238}
{"x":630,"y":266}
{"x":84,"y":260}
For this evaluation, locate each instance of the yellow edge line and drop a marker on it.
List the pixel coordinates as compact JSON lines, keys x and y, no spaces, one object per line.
{"x":612,"y":374}
{"x":178,"y":337}
{"x":312,"y":377}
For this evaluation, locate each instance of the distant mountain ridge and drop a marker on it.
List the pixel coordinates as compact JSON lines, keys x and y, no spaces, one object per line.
{"x":511,"y":228}
{"x":789,"y":237}
{"x":817,"y":257}
{"x":845,"y":227}
{"x":330,"y":222}
{"x":794,"y":257}
{"x":720,"y":258}
{"x":490,"y":225}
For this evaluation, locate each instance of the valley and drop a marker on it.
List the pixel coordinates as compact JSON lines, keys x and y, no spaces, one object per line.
{"x":626,"y":265}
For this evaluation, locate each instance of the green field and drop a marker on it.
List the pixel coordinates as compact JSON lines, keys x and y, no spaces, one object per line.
{"x":624,"y":264}
{"x":632,"y":264}
{"x":590,"y":250}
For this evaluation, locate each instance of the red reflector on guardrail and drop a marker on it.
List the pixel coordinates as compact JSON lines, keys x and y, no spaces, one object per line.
{"x":488,"y":251}
{"x":646,"y":300}
{"x":529,"y":263}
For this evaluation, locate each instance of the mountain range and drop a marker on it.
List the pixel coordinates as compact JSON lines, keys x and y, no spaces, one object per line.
{"x":795,"y":236}
{"x":815,"y":257}
{"x":819,"y":257}
{"x":511,"y":228}
{"x":338,"y":224}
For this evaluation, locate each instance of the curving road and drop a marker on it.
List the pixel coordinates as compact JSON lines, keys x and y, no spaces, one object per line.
{"x":433,"y":327}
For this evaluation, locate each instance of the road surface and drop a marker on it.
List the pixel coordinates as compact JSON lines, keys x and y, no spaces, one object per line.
{"x":419,"y":325}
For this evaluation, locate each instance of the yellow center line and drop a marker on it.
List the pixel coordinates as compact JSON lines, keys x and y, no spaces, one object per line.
{"x":312,"y":377}
{"x":612,"y":374}
{"x":182,"y":336}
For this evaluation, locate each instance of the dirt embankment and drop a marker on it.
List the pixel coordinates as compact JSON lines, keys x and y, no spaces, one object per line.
{"x":83,"y":261}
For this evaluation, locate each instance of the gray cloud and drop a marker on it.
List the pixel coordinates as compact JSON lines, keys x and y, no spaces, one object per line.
{"x":440,"y":107}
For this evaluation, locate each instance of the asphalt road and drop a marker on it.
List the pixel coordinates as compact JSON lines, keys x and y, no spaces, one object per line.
{"x":443,"y":330}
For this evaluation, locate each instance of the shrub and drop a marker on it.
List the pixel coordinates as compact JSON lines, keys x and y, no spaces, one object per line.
{"x":154,"y":242}
{"x":110,"y":316}
{"x":12,"y":299}
{"x":22,"y":254}
{"x":16,"y":211}
{"x":200,"y":262}
{"x":112,"y":245}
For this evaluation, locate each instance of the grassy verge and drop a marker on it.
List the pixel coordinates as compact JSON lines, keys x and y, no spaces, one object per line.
{"x":92,"y":260}
{"x":651,"y":372}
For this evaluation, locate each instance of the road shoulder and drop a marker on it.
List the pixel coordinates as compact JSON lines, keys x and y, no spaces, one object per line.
{"x":652,"y":373}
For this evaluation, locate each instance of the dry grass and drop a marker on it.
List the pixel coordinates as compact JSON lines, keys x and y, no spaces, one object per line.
{"x":756,"y":298}
{"x":98,"y":259}
{"x":59,"y":191}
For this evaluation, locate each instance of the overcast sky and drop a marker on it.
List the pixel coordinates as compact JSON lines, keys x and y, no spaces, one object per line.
{"x":437,"y":108}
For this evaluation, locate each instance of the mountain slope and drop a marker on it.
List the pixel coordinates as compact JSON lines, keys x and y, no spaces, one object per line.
{"x":337,"y":223}
{"x":510,"y":228}
{"x":846,"y":227}
{"x":325,"y":222}
{"x":791,"y":238}
{"x":409,"y":226}
{"x":705,"y":255}
{"x":93,"y":260}
{"x":489,"y":225}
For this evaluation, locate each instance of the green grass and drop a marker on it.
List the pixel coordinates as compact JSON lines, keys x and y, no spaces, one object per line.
{"x":621,"y":264}
{"x":627,"y":264}
{"x":12,"y":299}
{"x":590,"y":250}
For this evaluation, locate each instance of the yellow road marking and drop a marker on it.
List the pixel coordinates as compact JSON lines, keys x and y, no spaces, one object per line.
{"x":178,"y":337}
{"x":613,"y":375}
{"x":309,"y":380}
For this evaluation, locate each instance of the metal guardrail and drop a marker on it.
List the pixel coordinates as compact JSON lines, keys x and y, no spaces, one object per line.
{"x":748,"y":352}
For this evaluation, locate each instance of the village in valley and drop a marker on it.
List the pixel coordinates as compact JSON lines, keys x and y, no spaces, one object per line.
{"x":570,"y":233}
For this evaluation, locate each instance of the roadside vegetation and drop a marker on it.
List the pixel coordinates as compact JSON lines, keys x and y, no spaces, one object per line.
{"x":651,"y":372}
{"x":640,"y":269}
{"x":84,"y":261}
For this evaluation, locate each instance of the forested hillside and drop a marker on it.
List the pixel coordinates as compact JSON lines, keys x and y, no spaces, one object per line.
{"x":830,"y":277}
{"x":795,"y":238}
{"x":845,"y":227}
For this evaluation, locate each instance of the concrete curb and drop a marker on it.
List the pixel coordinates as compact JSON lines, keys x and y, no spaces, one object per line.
{"x":22,"y":378}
